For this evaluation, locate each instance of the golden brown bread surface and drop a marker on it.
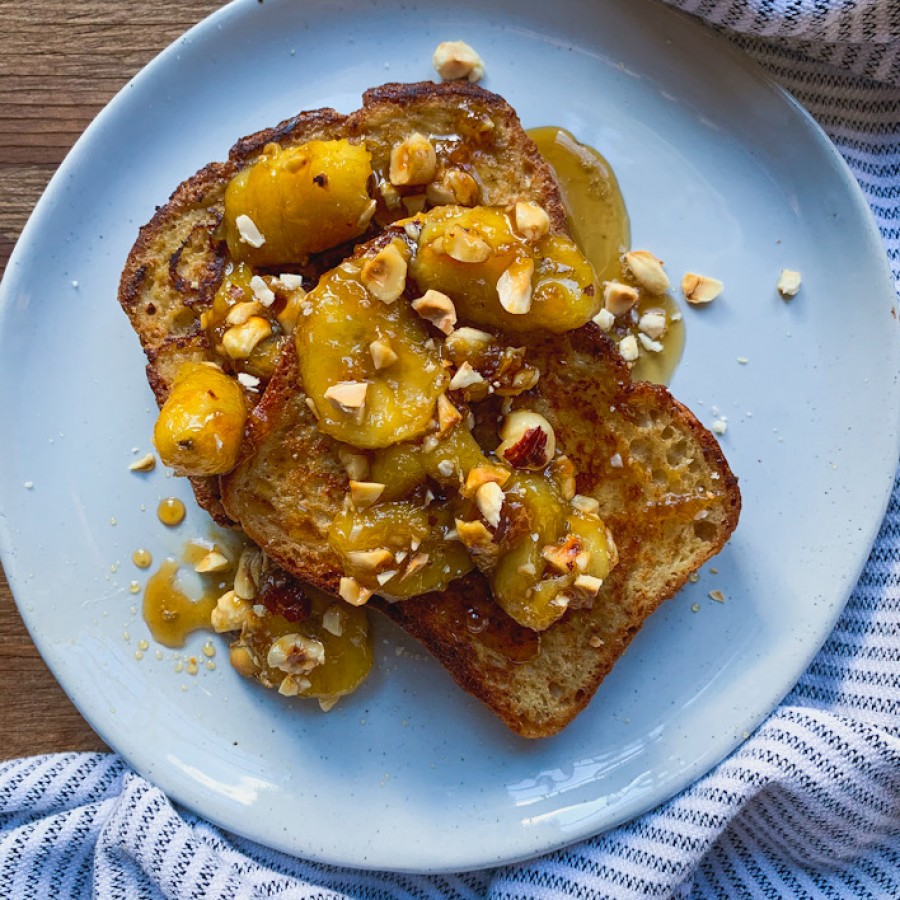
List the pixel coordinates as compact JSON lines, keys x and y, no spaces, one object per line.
{"x":177,"y":262}
{"x":671,"y":505}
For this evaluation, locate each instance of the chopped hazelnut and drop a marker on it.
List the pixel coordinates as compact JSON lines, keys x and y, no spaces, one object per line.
{"x":390,"y":194}
{"x":383,"y":355}
{"x":467,"y":343}
{"x":457,"y":59}
{"x":384,"y":275}
{"x":653,"y":323}
{"x":212,"y":562}
{"x":563,"y":470}
{"x":628,"y":347}
{"x":366,"y":216}
{"x":355,"y":464}
{"x":489,"y":500}
{"x":649,"y":344}
{"x":699,"y":289}
{"x":437,"y":308}
{"x":251,"y":382}
{"x":454,"y":186}
{"x":527,"y":440}
{"x":230,"y":613}
{"x":448,"y":414}
{"x":788,"y":283}
{"x":248,"y":232}
{"x":333,"y":620}
{"x":370,"y":560}
{"x":384,"y":577}
{"x":249,"y":573}
{"x":145,"y":464}
{"x":296,"y":654}
{"x":647,"y":271}
{"x":587,"y":506}
{"x":290,"y":281}
{"x":532,"y":221}
{"x":240,"y":340}
{"x":261,"y":291}
{"x":460,"y":244}
{"x":589,"y":583}
{"x":289,"y":315}
{"x":464,"y":377}
{"x":353,"y":592}
{"x":413,"y":161}
{"x":292,"y":685}
{"x":240,"y":312}
{"x":416,"y":563}
{"x":564,"y":557}
{"x":476,"y":538}
{"x":348,"y":396}
{"x":605,"y":319}
{"x":480,"y":475}
{"x":618,"y":298}
{"x":365,"y":493}
{"x":514,"y":286}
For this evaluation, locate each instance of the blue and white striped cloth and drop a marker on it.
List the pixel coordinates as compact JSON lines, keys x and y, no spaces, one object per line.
{"x":808,"y":807}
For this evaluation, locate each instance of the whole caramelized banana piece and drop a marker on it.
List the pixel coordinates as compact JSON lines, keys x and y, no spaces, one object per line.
{"x":499,"y":278}
{"x":201,"y":424}
{"x":294,"y":201}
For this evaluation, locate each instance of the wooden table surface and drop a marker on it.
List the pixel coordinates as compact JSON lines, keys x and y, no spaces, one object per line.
{"x":61,"y":61}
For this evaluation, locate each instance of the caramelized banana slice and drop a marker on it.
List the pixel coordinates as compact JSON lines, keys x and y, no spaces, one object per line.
{"x":294,"y":201}
{"x":318,"y":648}
{"x":401,"y":468}
{"x":498,"y":278}
{"x":551,"y":556}
{"x":400,"y":549}
{"x":201,"y":424}
{"x":357,"y":401}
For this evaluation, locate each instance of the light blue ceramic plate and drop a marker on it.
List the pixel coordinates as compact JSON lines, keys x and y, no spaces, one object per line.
{"x":722,"y":174}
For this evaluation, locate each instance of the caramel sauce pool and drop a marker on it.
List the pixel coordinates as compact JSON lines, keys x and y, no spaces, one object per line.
{"x":599,"y":223}
{"x":170,"y":612}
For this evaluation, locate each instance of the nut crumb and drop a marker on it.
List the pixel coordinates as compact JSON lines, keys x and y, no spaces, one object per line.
{"x":145,"y":464}
{"x":700,"y":289}
{"x":788,"y":283}
{"x":249,"y":233}
{"x":647,"y":271}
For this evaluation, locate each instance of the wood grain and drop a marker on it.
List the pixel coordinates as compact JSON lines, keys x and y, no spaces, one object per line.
{"x":61,"y":61}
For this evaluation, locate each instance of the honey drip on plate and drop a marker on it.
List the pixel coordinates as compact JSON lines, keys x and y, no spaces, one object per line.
{"x":170,"y":614}
{"x":170,"y":511}
{"x":599,"y":223}
{"x":142,"y":558}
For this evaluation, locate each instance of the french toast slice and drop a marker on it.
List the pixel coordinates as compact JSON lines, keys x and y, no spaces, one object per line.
{"x":671,"y":505}
{"x":178,"y":260}
{"x":664,"y":488}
